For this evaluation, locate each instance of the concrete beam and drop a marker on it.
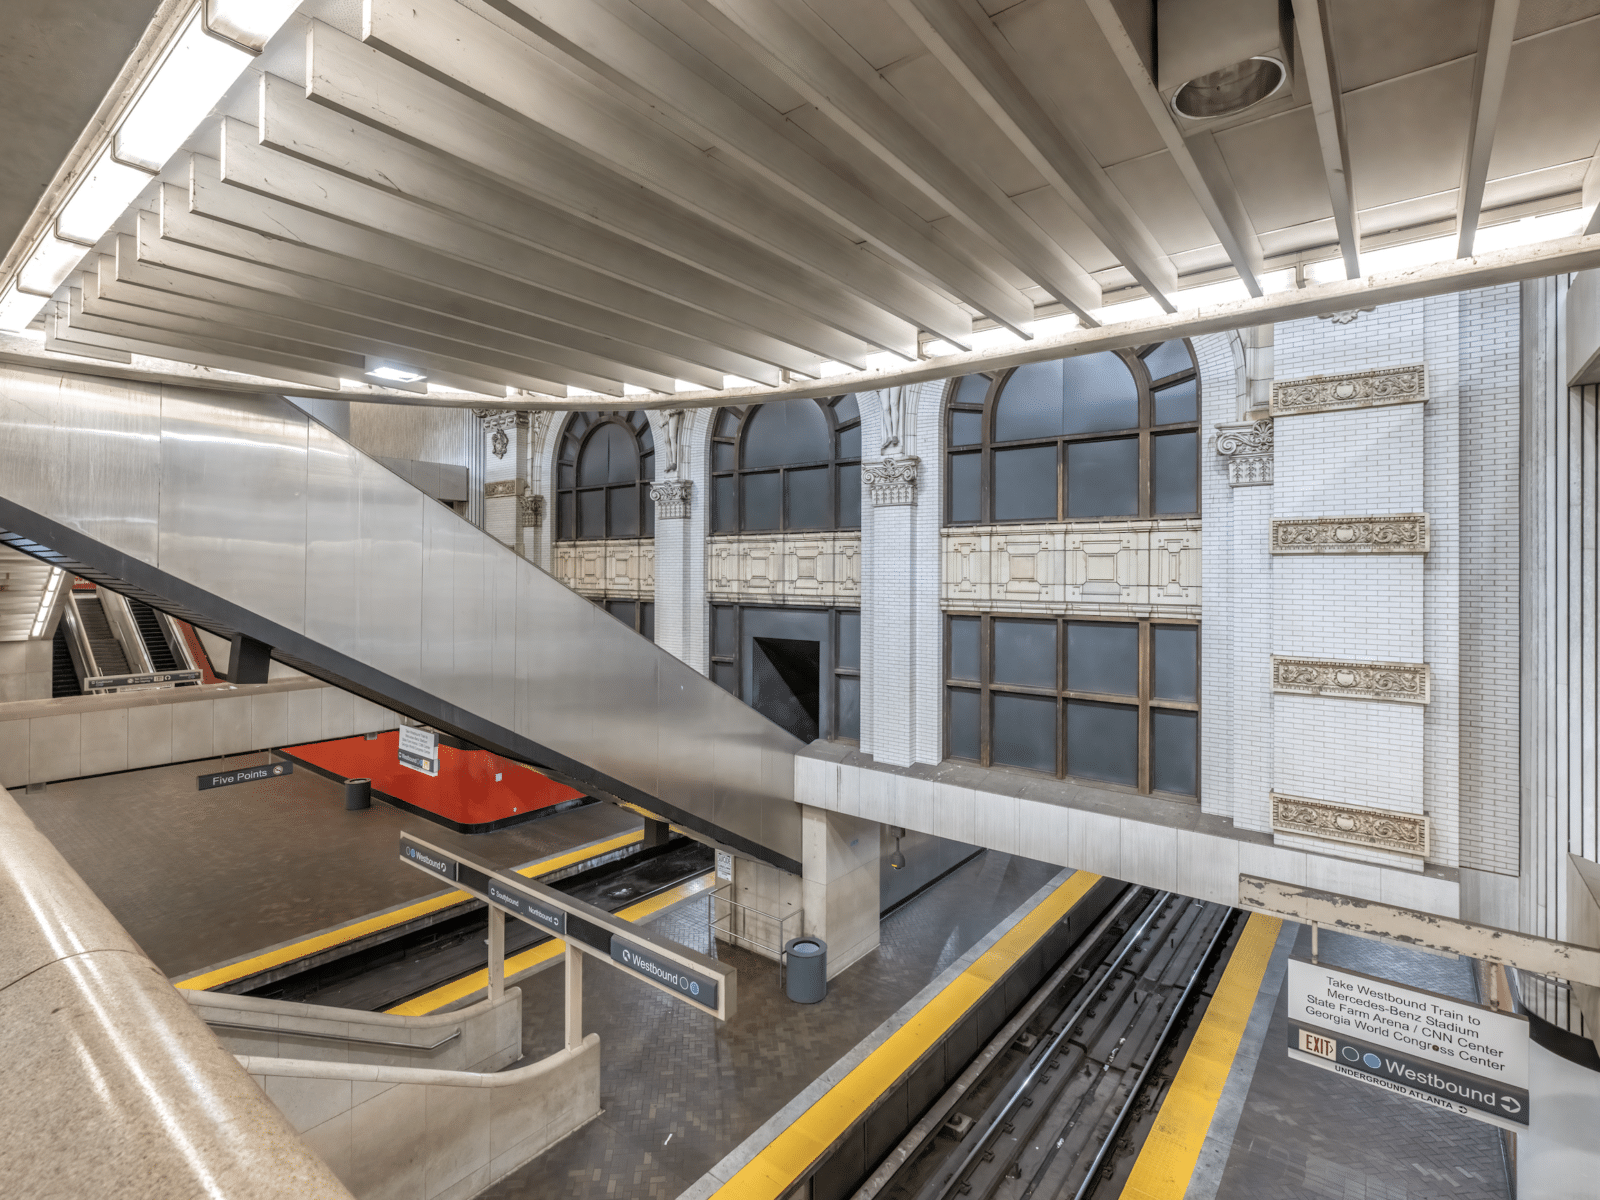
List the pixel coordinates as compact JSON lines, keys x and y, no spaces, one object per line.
{"x":1321,"y":75}
{"x":1488,"y":86}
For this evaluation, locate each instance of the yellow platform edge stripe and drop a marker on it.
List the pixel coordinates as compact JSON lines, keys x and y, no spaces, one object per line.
{"x":348,"y":933}
{"x":536,"y":956}
{"x":774,"y":1170}
{"x":1166,"y":1162}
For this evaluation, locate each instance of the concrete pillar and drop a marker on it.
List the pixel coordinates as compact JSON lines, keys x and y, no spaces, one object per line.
{"x":506,"y":494}
{"x":839,"y":858}
{"x":681,"y":524}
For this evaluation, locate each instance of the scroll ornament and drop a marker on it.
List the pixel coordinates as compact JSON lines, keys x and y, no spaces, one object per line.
{"x":1370,"y":827}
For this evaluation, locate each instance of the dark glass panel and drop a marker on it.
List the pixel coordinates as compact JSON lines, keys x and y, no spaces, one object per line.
{"x":1100,"y":393}
{"x":1175,"y":466}
{"x":567,"y":476}
{"x":1177,"y":669}
{"x":785,"y":432}
{"x":850,"y":442}
{"x":964,"y":731}
{"x":1168,"y":359}
{"x":724,"y":456}
{"x":564,"y":527}
{"x":808,"y":498}
{"x":1030,"y":404}
{"x":1103,"y":658}
{"x":847,"y":718}
{"x":964,"y":495}
{"x":1103,"y":742}
{"x":1025,"y":653}
{"x":727,"y":423}
{"x":637,"y":419}
{"x":622,"y":610}
{"x":964,"y":635}
{"x":849,"y":649}
{"x":592,"y":514}
{"x":1022,"y":732}
{"x":609,"y":456}
{"x":1180,"y":402}
{"x":850,"y":496}
{"x":966,"y":429}
{"x":1103,"y":478}
{"x":724,"y":631}
{"x":1173,"y":740}
{"x":974,"y":389}
{"x":647,"y":440}
{"x":647,"y":620}
{"x":725,"y":504}
{"x":846,"y":409}
{"x":649,"y":508}
{"x":622,"y":504}
{"x":580,"y":422}
{"x":725,"y":675}
{"x":647,"y":466}
{"x":1025,"y":484}
{"x":763,"y":500}
{"x":569,"y":448}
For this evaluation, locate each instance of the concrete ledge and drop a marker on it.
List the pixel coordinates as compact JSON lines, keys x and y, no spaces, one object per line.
{"x":1157,"y":843}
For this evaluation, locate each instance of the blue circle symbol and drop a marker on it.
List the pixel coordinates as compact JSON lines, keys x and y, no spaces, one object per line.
{"x":694,"y":989}
{"x":1373,"y":1061}
{"x":1351,"y":1053}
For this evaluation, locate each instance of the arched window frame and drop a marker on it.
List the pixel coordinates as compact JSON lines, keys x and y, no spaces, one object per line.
{"x":729,"y":474}
{"x":1147,"y":431}
{"x":576,"y":434}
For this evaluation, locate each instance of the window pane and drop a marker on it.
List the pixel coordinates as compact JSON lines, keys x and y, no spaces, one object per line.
{"x":723,"y":456}
{"x":649,"y":529}
{"x":1177,"y":403}
{"x":1025,"y":653}
{"x":964,"y":634}
{"x":623,"y":504}
{"x":788,"y":431}
{"x":647,"y":620}
{"x":1173,"y":738}
{"x":966,"y":429}
{"x":1177,"y":675}
{"x":724,"y":504}
{"x":592,"y":514}
{"x":846,"y":408}
{"x":622,"y":610}
{"x":727,"y":423}
{"x":963,"y":740}
{"x":850,"y":442}
{"x":1177,"y":469}
{"x":1103,"y":658}
{"x":1025,"y":484}
{"x":763,"y":497}
{"x":1100,"y":393}
{"x":567,"y":476}
{"x":1103,"y":478}
{"x":964,"y":474}
{"x":724,"y":631}
{"x":1103,"y":742}
{"x":1168,"y":359}
{"x":974,"y":389}
{"x":1030,"y":404}
{"x":808,"y":498}
{"x":647,"y":465}
{"x":569,"y":448}
{"x":847,"y":718}
{"x":609,"y":456}
{"x":850,"y":496}
{"x":725,"y":675}
{"x":564,"y":528}
{"x":1023,"y":733}
{"x":849,"y":649}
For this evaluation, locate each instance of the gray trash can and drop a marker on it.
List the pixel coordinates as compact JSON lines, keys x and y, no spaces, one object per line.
{"x":357,"y":794}
{"x":806,"y":969}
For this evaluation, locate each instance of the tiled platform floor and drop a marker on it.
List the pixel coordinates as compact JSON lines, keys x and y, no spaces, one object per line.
{"x":679,"y":1093}
{"x":201,"y":877}
{"x":1308,"y":1134}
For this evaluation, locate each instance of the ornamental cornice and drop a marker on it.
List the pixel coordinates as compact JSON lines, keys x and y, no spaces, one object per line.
{"x":1358,"y":389}
{"x":892,"y":481}
{"x":1247,"y":445}
{"x":504,"y":418}
{"x":1398,"y":533}
{"x":1402,"y":683}
{"x":531,"y":508}
{"x":1376,"y":829}
{"x":671,"y":498}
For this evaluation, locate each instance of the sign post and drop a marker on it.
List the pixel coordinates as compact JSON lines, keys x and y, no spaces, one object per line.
{"x":419,"y":749}
{"x":1430,"y":1048}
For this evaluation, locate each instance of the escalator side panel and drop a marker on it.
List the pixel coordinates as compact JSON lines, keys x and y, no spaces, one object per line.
{"x":255,"y":509}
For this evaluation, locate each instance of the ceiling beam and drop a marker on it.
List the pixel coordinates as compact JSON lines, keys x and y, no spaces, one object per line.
{"x":803,"y":51}
{"x":977,"y":56}
{"x":1488,"y":86}
{"x":1321,"y":75}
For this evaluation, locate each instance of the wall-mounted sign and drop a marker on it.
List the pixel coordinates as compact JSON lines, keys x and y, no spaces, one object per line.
{"x":725,"y":866}
{"x":419,"y":749}
{"x":245,"y":775}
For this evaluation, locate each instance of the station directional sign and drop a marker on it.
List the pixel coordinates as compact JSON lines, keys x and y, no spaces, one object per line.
{"x":693,"y":978}
{"x":244,"y":775}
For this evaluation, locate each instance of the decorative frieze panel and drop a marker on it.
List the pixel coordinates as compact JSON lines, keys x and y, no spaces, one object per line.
{"x":495,"y":489}
{"x":1247,"y":445}
{"x":785,"y":568}
{"x":1400,"y":533}
{"x":1373,"y":828}
{"x":620,"y":569}
{"x":1358,"y":389}
{"x":1404,"y":683}
{"x":1116,"y":566}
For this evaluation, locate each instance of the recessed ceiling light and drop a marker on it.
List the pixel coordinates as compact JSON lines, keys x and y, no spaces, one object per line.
{"x":1230,"y":90}
{"x":397,"y":374}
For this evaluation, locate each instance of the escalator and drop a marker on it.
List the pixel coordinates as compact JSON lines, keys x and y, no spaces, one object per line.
{"x":63,"y":675}
{"x":240,"y":515}
{"x":109,"y":656}
{"x":162,"y":658}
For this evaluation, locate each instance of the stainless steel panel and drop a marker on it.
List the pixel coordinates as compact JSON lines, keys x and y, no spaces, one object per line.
{"x":500,"y":692}
{"x":120,"y":618}
{"x":390,"y":595}
{"x":438,"y":600}
{"x":333,"y":539}
{"x":473,"y":624}
{"x":233,"y":502}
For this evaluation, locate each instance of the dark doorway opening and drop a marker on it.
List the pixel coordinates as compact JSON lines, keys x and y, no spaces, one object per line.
{"x":787,"y":674}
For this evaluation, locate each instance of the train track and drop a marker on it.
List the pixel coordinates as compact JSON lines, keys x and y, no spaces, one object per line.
{"x":1056,"y":1106}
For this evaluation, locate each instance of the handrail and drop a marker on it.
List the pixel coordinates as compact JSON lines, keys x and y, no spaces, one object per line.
{"x":335,"y":1037}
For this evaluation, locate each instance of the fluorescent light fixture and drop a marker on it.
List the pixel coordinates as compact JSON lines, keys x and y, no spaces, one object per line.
{"x":47,"y":601}
{"x":18,"y":309}
{"x":1530,"y":229}
{"x":248,"y":22}
{"x":397,"y":374}
{"x":49,"y":265}
{"x":187,"y":86}
{"x":100,"y":198}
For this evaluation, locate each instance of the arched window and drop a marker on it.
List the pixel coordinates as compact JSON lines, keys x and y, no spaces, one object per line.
{"x":604,"y":465}
{"x":1098,"y":436}
{"x":793,"y":464}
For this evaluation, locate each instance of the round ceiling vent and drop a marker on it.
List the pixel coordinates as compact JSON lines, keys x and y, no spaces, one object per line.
{"x":1230,"y":90}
